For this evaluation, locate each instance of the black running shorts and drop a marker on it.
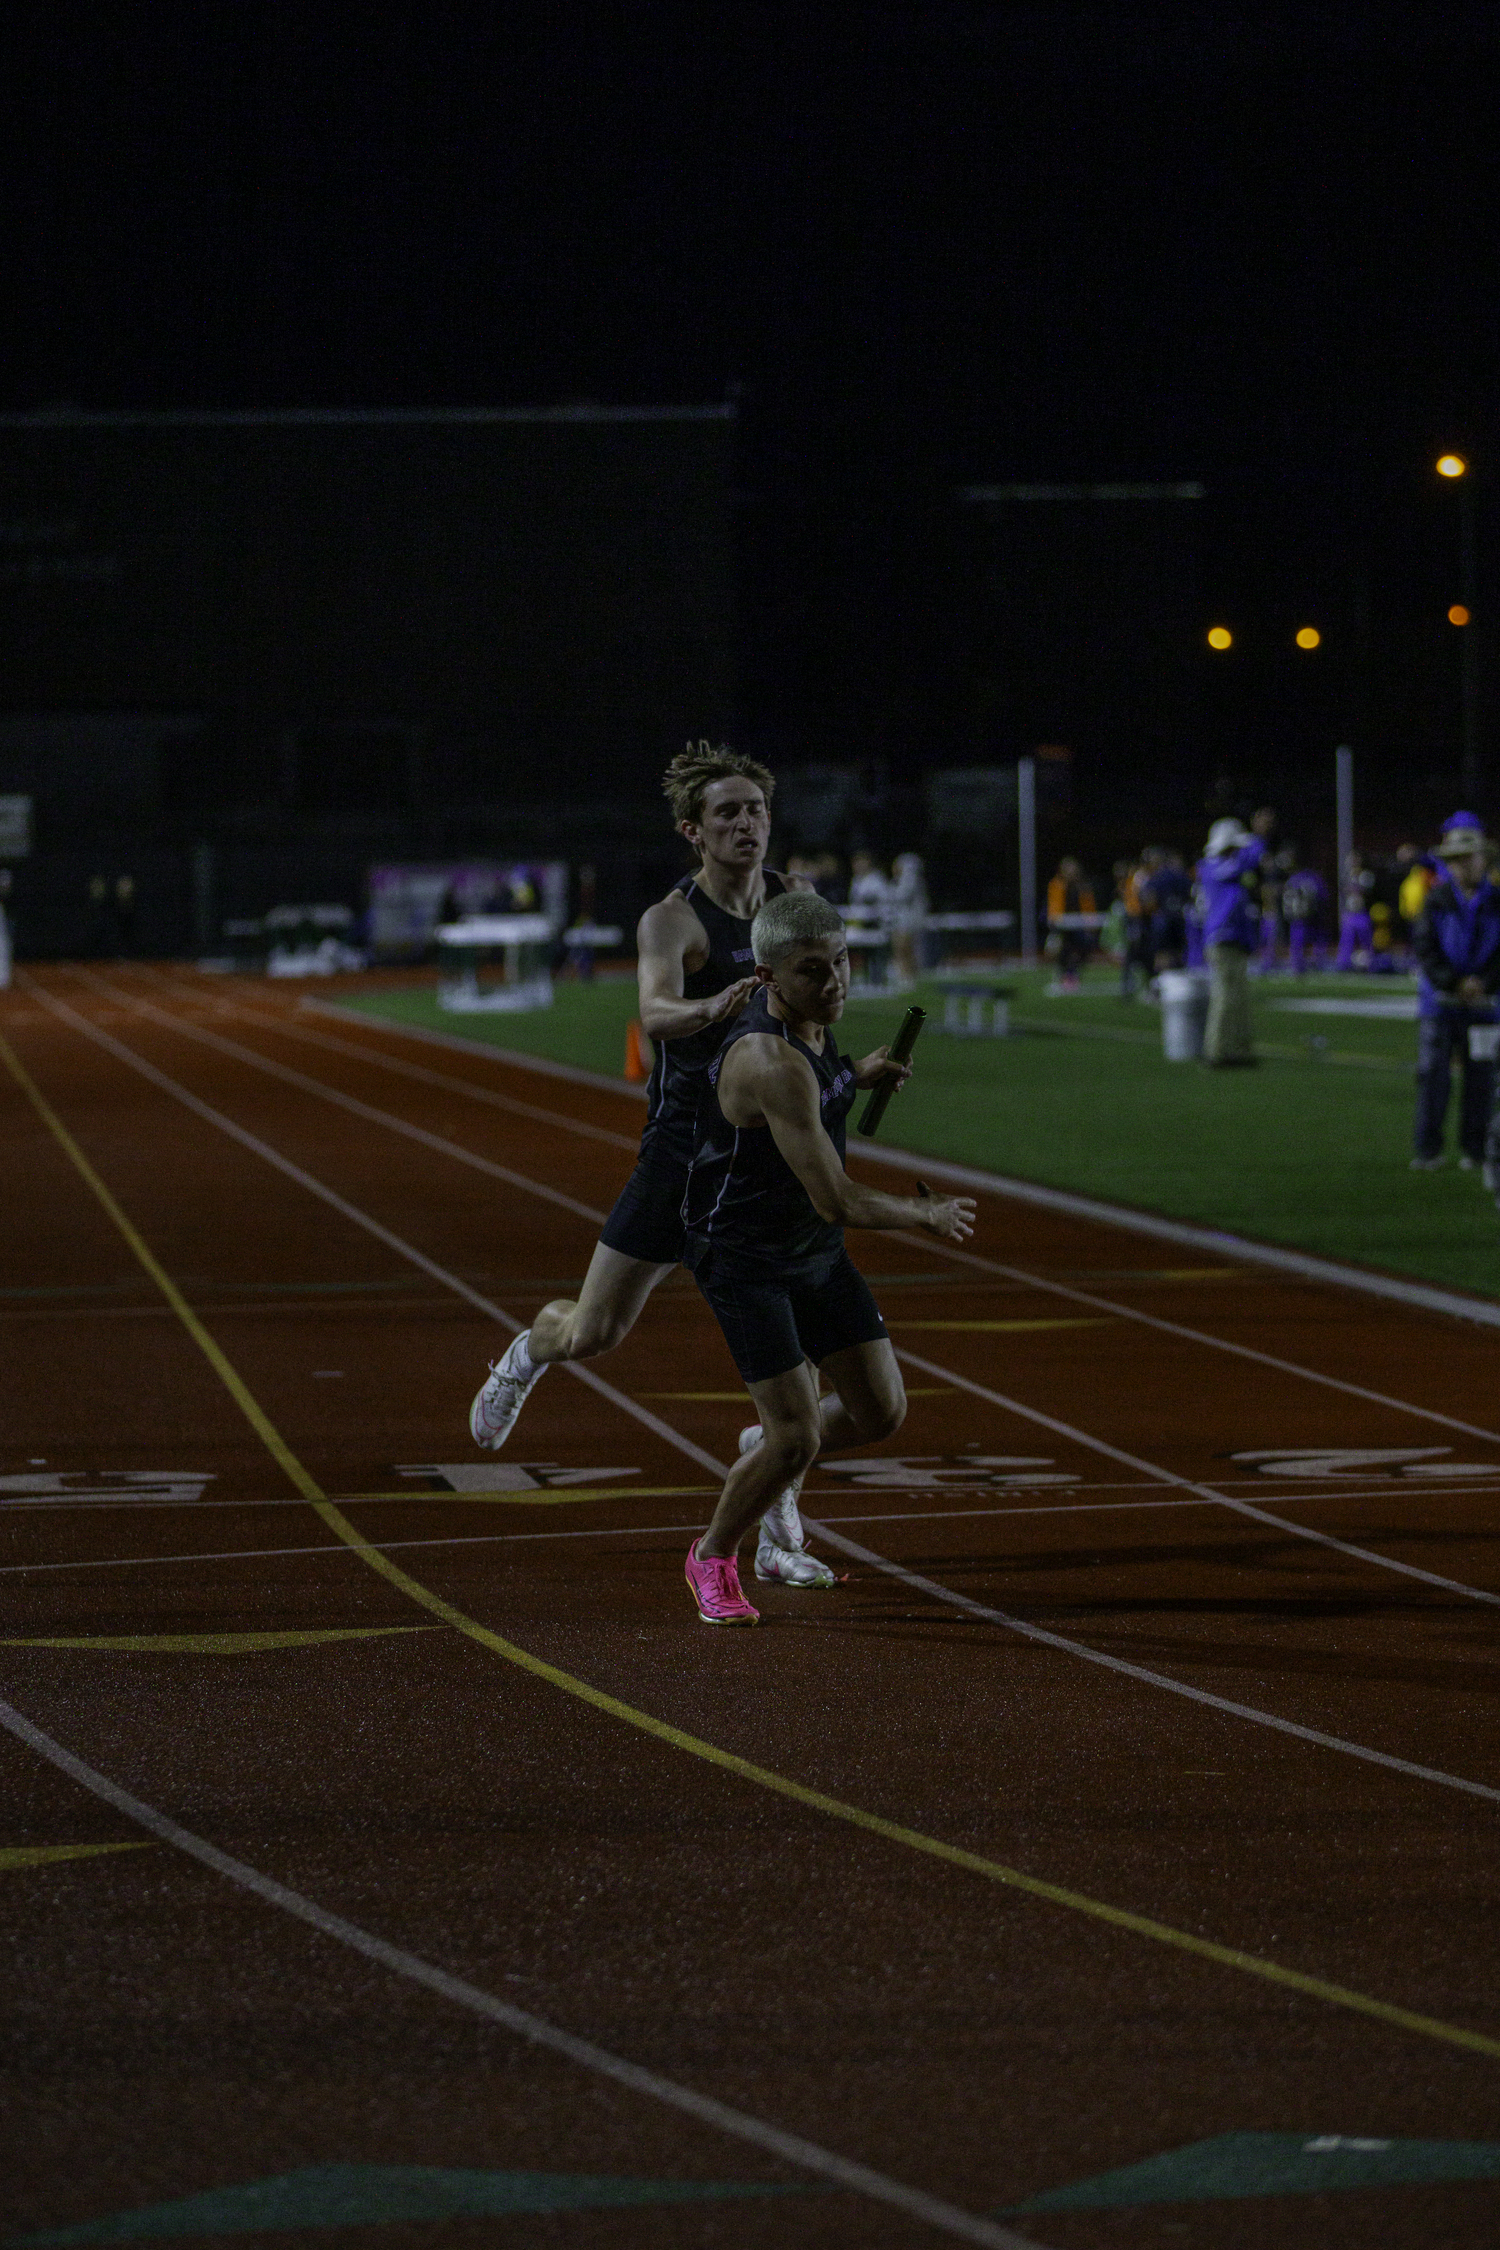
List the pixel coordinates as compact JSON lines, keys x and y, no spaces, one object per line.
{"x":646,"y":1222}
{"x":772,"y":1326}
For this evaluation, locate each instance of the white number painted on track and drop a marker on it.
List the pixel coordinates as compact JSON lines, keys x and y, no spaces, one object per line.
{"x":948,"y":1472}
{"x":64,"y":1488}
{"x":1363,"y":1461}
{"x":511,"y":1476}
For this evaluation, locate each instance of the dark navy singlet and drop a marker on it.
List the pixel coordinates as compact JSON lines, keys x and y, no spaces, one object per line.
{"x":679,"y":1074}
{"x":745,"y":1207}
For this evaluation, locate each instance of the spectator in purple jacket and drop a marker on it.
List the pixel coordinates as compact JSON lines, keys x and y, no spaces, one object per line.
{"x":1457,"y":944}
{"x":1229,"y":879}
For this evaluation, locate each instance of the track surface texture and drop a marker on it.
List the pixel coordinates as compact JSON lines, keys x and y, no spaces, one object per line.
{"x":376,"y":1819}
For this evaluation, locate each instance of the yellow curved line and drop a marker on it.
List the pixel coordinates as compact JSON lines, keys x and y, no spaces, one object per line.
{"x":854,"y":1816}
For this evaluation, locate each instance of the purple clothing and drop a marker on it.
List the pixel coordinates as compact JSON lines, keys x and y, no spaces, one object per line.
{"x":1229,"y":888}
{"x":1457,"y":937}
{"x":1356,"y":935}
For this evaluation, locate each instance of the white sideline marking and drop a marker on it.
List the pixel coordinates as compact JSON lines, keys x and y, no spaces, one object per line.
{"x":1304,"y":1264}
{"x":790,"y":2148}
{"x":1425,"y":1295}
{"x":696,"y":1453}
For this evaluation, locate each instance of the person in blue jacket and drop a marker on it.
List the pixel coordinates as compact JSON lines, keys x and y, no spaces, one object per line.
{"x":1229,"y":879}
{"x":1457,"y":945}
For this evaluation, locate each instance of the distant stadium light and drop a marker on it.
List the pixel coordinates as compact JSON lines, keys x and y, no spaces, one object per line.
{"x":1452,"y":465}
{"x":1219,"y":636}
{"x":1308,"y":637}
{"x":1458,"y":615}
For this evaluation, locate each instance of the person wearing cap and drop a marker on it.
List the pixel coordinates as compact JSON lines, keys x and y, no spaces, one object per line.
{"x":1229,"y":878}
{"x":1457,"y":944}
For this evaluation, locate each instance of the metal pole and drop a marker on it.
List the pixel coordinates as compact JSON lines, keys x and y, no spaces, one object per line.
{"x":1026,"y":822}
{"x":1470,"y":634}
{"x":1343,"y":789}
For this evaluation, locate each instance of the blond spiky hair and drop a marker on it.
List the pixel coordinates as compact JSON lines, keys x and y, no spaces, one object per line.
{"x":693,"y":769}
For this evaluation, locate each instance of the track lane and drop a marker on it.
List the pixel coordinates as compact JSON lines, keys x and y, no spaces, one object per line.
{"x":1328,"y":1739}
{"x":443,"y":1145}
{"x":655,"y":1576}
{"x":522,"y":1652}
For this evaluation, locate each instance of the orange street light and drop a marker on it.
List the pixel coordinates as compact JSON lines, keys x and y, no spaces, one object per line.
{"x":1308,"y":637}
{"x":1458,"y":615}
{"x":1452,"y":465}
{"x":1219,"y":636}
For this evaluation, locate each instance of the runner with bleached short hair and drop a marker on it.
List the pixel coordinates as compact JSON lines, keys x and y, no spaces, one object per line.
{"x":768,"y":1200}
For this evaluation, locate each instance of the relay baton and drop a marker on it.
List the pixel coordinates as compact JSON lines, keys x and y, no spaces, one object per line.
{"x":901,"y":1047}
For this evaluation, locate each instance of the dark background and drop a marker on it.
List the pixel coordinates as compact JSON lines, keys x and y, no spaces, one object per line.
{"x":920,"y":249}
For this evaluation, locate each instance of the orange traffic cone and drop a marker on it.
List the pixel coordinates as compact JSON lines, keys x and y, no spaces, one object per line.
{"x":639,"y":1054}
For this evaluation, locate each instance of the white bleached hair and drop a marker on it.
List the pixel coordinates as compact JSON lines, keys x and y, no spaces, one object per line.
{"x":789,"y":920}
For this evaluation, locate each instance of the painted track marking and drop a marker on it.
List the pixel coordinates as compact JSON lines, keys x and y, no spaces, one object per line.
{"x":791,"y":2148}
{"x":1208,"y":1492}
{"x":664,"y":1430}
{"x":515,"y":1179}
{"x":726,"y":1761}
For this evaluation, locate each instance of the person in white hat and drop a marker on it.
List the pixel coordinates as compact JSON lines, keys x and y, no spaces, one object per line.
{"x":1229,"y":879}
{"x":1457,"y":944}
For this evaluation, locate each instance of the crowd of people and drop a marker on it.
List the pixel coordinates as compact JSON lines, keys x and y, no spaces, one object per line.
{"x":887,"y":908}
{"x":1250,"y":906}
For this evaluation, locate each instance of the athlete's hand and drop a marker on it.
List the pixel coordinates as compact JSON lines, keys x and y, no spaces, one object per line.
{"x":731,"y":1001}
{"x":950,"y":1217}
{"x":877,"y":1068}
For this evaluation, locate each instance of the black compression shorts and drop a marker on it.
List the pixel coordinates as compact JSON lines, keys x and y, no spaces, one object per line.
{"x":646,"y":1222}
{"x":772,"y":1326}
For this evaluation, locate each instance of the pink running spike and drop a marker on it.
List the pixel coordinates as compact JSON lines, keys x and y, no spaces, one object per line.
{"x":715,"y":1585}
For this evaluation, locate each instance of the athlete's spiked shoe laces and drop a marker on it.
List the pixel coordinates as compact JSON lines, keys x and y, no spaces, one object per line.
{"x":492,"y":1416}
{"x":715,"y":1586}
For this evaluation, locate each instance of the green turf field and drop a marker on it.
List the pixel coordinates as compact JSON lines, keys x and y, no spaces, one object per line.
{"x":1311,"y":1149}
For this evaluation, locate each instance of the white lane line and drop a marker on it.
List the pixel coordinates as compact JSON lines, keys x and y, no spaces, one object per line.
{"x":283,"y":1027}
{"x":359,"y":1218}
{"x":1198,"y":1336}
{"x":515,"y":1538}
{"x":511,"y":1057}
{"x":706,"y":1460}
{"x":1232,"y":1500}
{"x":1304,"y":1264}
{"x":1021,"y":1276}
{"x":515,"y":1179}
{"x":1039,"y":1633}
{"x":355,"y":1108}
{"x":942,"y":1249}
{"x":789,"y":2148}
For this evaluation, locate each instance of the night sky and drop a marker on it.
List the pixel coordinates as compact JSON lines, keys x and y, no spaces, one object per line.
{"x":925,"y":246}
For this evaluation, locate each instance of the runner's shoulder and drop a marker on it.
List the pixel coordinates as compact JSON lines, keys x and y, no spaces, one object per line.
{"x":671,"y":926}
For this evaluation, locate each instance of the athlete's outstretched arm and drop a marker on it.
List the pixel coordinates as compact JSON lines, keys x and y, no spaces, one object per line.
{"x":769,"y":1076}
{"x":664,"y":937}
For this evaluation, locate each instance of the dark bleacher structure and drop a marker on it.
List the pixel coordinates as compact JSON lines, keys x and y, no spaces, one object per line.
{"x":249,"y":653}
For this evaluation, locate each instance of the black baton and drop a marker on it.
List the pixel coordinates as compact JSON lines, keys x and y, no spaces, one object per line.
{"x":901,"y":1047}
